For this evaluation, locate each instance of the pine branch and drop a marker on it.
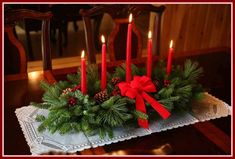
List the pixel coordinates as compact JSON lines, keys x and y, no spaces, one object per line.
{"x":198,"y":96}
{"x":168,"y":103}
{"x":65,"y":128}
{"x":61,"y":85}
{"x":40,"y":118}
{"x":40,"y":105}
{"x":184,"y":92}
{"x":52,"y":94}
{"x":77,"y":111}
{"x":78,"y":94}
{"x":139,"y":114}
{"x":114,"y":112}
{"x":134,"y":70}
{"x":74,"y":78}
{"x":93,"y":80}
{"x":45,"y":86}
{"x":76,"y":126}
{"x":191,"y":71}
{"x":120,"y":72}
{"x":41,"y":128}
{"x":159,"y":71}
{"x":166,"y":92}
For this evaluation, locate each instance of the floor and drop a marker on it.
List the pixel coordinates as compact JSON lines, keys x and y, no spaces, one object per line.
{"x":71,"y":53}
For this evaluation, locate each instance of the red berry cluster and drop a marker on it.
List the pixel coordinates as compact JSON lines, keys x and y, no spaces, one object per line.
{"x":78,"y":87}
{"x":72,"y":101}
{"x":166,"y":83}
{"x":115,"y":81}
{"x":116,"y":92}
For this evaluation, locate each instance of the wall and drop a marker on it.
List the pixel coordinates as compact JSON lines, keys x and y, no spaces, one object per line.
{"x":195,"y":26}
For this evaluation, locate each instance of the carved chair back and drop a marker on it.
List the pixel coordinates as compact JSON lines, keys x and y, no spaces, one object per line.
{"x":117,"y":38}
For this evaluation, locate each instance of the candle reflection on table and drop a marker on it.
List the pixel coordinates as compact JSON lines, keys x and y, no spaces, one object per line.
{"x":34,"y":75}
{"x":34,"y":79}
{"x":164,"y":149}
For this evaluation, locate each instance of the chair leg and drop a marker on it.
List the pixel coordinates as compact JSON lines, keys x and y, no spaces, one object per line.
{"x":14,"y":31}
{"x":65,"y":33}
{"x":97,"y":23}
{"x":60,"y":48}
{"x":29,"y":44}
{"x":53,"y":34}
{"x":75,"y":26}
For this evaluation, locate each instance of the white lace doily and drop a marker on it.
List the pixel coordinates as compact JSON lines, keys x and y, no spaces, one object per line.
{"x":207,"y":109}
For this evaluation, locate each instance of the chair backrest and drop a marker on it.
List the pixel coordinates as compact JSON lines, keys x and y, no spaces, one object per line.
{"x":11,"y":18}
{"x":117,"y":42}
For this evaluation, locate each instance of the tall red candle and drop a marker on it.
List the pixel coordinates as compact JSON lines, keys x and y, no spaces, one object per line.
{"x":128,"y":50}
{"x":149,"y":55}
{"x":83,"y":73}
{"x":169,"y":61}
{"x":103,"y":64}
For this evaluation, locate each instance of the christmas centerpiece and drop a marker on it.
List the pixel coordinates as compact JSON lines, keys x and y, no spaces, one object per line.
{"x":131,"y":96}
{"x":95,"y":108}
{"x":121,"y":103}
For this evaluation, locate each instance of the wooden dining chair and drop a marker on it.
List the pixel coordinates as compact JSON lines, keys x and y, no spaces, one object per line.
{"x":11,"y":18}
{"x":117,"y":38}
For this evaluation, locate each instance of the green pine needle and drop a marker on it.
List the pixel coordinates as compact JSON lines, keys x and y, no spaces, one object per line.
{"x":74,"y":78}
{"x":113,"y":112}
{"x":65,"y":128}
{"x":139,"y":114}
{"x":191,"y":70}
{"x":40,"y":105}
{"x":40,"y":118}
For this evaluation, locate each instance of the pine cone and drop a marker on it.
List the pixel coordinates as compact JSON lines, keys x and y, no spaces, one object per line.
{"x":66,"y":91}
{"x":101,"y":96}
{"x":72,"y":101}
{"x":115,"y":80}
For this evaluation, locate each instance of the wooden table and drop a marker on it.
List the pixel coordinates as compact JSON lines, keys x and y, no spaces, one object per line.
{"x":207,"y":138}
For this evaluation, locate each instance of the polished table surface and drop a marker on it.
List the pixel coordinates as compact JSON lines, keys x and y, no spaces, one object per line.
{"x":207,"y":138}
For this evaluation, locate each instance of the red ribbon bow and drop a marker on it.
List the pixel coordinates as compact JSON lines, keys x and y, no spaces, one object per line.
{"x":137,"y":88}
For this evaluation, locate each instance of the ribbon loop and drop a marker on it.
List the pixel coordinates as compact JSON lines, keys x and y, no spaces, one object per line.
{"x":137,"y":89}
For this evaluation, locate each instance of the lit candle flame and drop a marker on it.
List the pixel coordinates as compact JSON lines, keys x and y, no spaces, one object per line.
{"x":102,"y":39}
{"x":83,"y":54}
{"x":171,"y":44}
{"x":150,"y":35}
{"x":130,"y":18}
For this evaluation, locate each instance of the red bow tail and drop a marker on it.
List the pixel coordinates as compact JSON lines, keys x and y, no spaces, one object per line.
{"x":137,"y":89}
{"x":157,"y":106}
{"x":140,"y":106}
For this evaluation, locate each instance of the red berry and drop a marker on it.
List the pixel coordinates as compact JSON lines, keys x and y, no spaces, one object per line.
{"x":78,"y":87}
{"x":166,"y":83}
{"x":72,"y":101}
{"x":116,"y":92}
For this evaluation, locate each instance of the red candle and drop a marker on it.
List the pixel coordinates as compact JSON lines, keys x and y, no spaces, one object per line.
{"x":149,"y":55}
{"x":169,"y":61}
{"x":103,"y":64}
{"x":83,"y":73}
{"x":128,"y":50}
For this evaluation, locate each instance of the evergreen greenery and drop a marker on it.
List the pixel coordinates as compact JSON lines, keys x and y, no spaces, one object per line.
{"x":71,"y":111}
